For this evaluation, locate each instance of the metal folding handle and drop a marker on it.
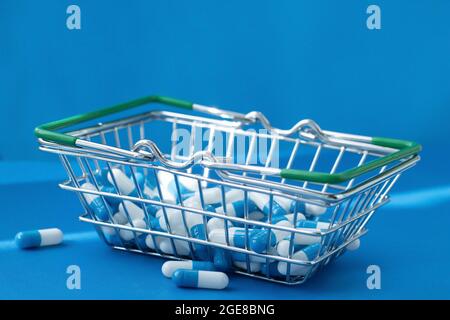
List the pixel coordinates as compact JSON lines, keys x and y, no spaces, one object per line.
{"x":405,"y":149}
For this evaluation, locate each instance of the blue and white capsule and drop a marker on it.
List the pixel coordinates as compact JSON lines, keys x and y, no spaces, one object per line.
{"x":262,"y":201}
{"x":236,"y":236}
{"x":200,"y":279}
{"x":168,"y":219}
{"x":39,"y":238}
{"x":175,"y":247}
{"x":265,"y":239}
{"x":307,"y":254}
{"x":95,"y":202}
{"x":169,"y":267}
{"x":186,"y":185}
{"x":176,"y":223}
{"x":283,"y":248}
{"x":125,"y":185}
{"x":309,"y":225}
{"x":211,"y":197}
{"x":217,"y":223}
{"x":307,"y":208}
{"x":235,"y":206}
{"x":164,"y":180}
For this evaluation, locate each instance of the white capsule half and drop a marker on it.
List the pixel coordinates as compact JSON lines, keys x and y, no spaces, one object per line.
{"x":211,"y":196}
{"x":307,"y":254}
{"x":182,"y":247}
{"x":127,"y":235}
{"x":134,"y":211}
{"x":236,"y":236}
{"x":283,"y":248}
{"x":314,"y":210}
{"x":150,"y":243}
{"x":120,"y":218}
{"x":217,"y":223}
{"x":165,"y":178}
{"x":354,"y":245}
{"x":254,"y":267}
{"x":124,"y":184}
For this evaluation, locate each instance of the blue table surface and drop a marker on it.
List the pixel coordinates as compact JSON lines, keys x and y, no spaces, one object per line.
{"x":408,"y":239}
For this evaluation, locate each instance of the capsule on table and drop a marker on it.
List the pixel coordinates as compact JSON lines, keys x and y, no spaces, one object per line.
{"x":200,"y":279}
{"x":39,"y":238}
{"x":169,"y":267}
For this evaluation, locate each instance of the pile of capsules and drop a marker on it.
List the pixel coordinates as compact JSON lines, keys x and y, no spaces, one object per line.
{"x":184,"y":191}
{"x":211,"y":264}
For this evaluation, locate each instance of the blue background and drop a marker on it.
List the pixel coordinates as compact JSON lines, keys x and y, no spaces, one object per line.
{"x":288,"y":59}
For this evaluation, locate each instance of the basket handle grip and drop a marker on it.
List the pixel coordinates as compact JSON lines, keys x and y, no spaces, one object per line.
{"x":405,"y":149}
{"x":48,"y":131}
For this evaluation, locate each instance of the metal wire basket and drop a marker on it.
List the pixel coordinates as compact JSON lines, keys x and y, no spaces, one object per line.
{"x":343,"y":177}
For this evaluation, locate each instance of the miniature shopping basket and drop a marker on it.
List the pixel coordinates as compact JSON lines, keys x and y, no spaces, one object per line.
{"x":348,"y":176}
